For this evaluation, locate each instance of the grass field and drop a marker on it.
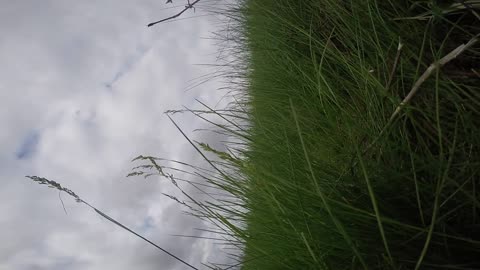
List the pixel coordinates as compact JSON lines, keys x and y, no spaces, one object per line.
{"x":331,"y":173}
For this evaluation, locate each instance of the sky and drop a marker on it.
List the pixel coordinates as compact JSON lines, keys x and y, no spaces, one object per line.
{"x":83,"y":89}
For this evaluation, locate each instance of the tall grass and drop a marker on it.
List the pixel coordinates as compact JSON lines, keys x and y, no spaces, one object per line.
{"x":333,"y":170}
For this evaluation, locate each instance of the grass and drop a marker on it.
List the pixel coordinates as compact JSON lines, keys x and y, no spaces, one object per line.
{"x":335,"y":171}
{"x":330,"y":165}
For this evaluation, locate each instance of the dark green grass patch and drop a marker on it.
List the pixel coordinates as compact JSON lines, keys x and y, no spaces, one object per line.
{"x":332,"y":182}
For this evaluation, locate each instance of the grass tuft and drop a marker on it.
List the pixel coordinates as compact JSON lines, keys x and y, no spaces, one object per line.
{"x":355,"y":135}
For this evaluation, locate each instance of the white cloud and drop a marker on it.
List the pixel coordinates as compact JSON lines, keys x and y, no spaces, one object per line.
{"x":91,"y":83}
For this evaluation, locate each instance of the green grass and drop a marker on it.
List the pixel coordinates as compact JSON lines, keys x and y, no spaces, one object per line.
{"x":324,"y":177}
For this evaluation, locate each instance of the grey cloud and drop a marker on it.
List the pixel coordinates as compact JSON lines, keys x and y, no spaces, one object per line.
{"x":57,"y":57}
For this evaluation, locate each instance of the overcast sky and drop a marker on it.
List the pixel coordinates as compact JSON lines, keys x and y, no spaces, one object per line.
{"x":83,"y":88}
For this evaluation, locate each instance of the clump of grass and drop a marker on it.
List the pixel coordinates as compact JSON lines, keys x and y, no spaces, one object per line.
{"x":333,"y":170}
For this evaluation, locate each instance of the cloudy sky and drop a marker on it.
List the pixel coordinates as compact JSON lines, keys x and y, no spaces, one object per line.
{"x":83,"y":88}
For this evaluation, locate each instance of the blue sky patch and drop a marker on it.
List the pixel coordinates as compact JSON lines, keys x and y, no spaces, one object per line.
{"x":148,"y":224}
{"x":28,"y":146}
{"x":128,"y":65}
